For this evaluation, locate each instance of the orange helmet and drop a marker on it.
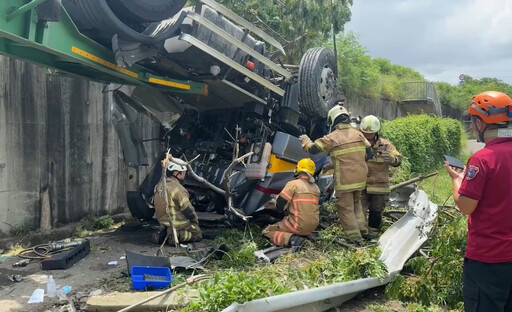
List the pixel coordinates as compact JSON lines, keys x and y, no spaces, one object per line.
{"x":492,"y":107}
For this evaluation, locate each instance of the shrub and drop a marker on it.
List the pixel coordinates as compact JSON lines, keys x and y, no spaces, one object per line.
{"x":424,"y":140}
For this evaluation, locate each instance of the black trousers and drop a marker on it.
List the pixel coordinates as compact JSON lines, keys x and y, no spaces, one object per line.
{"x":487,"y":286}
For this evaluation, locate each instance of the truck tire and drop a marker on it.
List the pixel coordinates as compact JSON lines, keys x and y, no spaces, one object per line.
{"x":99,"y":15}
{"x":138,"y":12}
{"x":318,"y":82}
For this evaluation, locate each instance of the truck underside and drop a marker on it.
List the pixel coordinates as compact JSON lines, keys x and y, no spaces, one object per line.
{"x":215,"y":82}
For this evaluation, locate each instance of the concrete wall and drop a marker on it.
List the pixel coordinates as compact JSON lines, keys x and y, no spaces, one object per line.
{"x":359,"y":106}
{"x":57,"y":132}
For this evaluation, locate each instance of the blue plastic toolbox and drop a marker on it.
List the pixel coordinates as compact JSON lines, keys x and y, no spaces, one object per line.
{"x":144,"y":277}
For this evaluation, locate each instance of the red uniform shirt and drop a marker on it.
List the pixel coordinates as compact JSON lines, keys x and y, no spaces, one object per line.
{"x":488,"y":179}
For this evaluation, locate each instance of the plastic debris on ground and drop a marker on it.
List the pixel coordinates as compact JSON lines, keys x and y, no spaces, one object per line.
{"x":37,"y":296}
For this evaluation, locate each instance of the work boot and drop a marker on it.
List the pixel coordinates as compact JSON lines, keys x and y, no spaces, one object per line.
{"x":372,"y":234}
{"x":297,"y":240}
{"x":159,"y":236}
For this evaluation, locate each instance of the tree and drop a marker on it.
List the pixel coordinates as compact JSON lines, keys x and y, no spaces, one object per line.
{"x":297,"y":24}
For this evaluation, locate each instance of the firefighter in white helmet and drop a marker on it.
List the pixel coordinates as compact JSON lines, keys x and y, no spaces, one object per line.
{"x":383,"y":155}
{"x":179,"y":213}
{"x":347,"y":148}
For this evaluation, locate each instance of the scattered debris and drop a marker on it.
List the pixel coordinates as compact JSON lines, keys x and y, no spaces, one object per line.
{"x":37,"y":296}
{"x":96,"y":292}
{"x":270,"y":254}
{"x":21,"y":263}
{"x":3,"y":257}
{"x":16,"y":278}
{"x":112,"y":263}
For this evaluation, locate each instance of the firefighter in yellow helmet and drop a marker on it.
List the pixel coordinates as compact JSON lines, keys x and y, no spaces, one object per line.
{"x":179,"y":213}
{"x":383,"y":155}
{"x":299,"y":201}
{"x":347,"y":148}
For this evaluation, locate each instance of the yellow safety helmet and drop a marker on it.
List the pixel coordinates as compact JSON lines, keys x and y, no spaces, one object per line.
{"x":334,"y":112}
{"x":306,"y":165}
{"x":370,"y":124}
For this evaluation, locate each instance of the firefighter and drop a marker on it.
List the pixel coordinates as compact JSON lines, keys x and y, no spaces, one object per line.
{"x":299,"y":201}
{"x":347,"y":148}
{"x":179,"y":213}
{"x":383,"y":155}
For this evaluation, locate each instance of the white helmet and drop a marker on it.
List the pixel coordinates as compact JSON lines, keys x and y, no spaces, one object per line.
{"x":177,"y":165}
{"x":334,"y":112}
{"x":370,"y":124}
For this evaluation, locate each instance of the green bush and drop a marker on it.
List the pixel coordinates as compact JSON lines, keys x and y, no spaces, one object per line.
{"x":424,"y":140}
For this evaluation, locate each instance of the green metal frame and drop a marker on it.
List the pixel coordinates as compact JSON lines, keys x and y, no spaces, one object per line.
{"x":61,"y":46}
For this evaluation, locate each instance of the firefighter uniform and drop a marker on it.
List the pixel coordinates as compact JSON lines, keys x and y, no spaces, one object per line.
{"x":347,"y":148}
{"x":301,"y":196}
{"x":178,"y":198}
{"x":376,"y":195}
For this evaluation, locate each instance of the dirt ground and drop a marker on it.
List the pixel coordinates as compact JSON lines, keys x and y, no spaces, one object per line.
{"x":93,"y":273}
{"x":88,"y":274}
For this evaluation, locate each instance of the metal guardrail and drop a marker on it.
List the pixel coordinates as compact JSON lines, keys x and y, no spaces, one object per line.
{"x":422,"y":91}
{"x":398,"y":244}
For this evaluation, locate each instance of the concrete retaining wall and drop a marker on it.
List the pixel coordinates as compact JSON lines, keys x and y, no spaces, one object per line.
{"x":57,"y":132}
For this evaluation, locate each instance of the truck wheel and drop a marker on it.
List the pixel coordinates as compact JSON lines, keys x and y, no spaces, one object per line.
{"x":138,"y":12}
{"x":318,"y":82}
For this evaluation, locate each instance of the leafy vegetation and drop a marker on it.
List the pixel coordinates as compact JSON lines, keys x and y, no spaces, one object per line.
{"x":459,"y":97}
{"x":21,"y":229}
{"x":361,"y":75}
{"x":438,"y":278}
{"x":298,"y":24}
{"x":91,"y":223}
{"x":423,"y":140}
{"x":316,"y":265}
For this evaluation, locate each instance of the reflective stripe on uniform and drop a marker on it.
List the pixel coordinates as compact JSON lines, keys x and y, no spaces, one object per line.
{"x":353,"y":186}
{"x":178,"y":223}
{"x":296,"y":210}
{"x":286,"y":195}
{"x":294,"y":231}
{"x":376,"y":160}
{"x":183,"y":201}
{"x":379,"y":190}
{"x":348,"y":150}
{"x":320,"y":145}
{"x":278,"y":236}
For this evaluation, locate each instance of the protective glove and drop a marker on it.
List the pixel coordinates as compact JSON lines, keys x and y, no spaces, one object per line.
{"x":386,"y":156}
{"x":305,"y":141}
{"x":327,"y":167}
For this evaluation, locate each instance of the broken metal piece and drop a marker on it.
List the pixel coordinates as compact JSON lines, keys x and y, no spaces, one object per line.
{"x":270,"y":254}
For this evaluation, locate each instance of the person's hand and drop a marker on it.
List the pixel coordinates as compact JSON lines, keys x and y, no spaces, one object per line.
{"x":453,"y":173}
{"x":305,"y":140}
{"x":385,"y":156}
{"x":327,"y":167}
{"x":271,"y":204}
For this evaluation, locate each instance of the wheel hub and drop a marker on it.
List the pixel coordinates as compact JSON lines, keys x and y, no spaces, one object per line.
{"x":327,"y":83}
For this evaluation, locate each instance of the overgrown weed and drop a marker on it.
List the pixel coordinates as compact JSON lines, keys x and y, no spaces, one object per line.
{"x":91,"y":223}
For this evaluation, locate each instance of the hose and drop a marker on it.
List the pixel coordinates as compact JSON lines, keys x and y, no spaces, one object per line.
{"x":44,"y":251}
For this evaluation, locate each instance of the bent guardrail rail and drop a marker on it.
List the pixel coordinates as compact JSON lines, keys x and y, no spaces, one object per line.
{"x":397,"y":244}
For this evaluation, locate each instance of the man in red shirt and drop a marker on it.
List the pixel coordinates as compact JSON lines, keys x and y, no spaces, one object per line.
{"x":484,"y":192}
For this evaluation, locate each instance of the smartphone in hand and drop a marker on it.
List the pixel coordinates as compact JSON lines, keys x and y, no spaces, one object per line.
{"x":454,"y":162}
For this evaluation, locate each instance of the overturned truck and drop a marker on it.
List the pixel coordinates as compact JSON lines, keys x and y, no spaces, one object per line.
{"x":216,"y":83}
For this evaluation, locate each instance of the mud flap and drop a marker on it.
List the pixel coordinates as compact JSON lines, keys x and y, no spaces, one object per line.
{"x":125,"y":113}
{"x":270,"y":254}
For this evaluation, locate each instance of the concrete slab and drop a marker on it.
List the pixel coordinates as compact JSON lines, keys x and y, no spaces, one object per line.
{"x":117,"y":301}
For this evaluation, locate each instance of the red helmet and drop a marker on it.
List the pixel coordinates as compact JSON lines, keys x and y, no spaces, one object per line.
{"x":492,"y":107}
